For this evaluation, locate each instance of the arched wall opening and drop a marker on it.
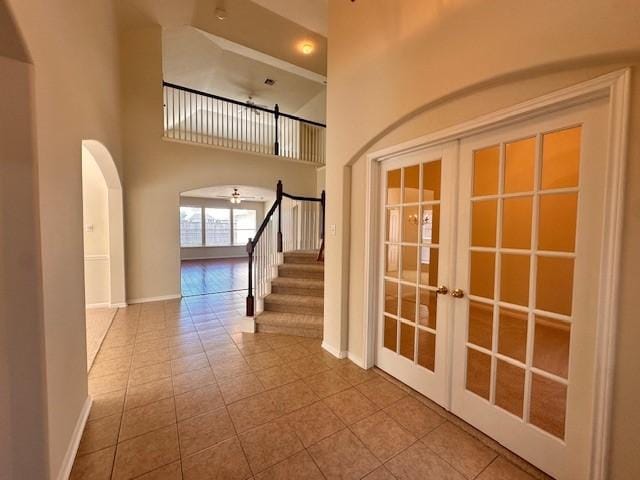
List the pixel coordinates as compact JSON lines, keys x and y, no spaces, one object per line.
{"x":213,"y":236}
{"x":102,"y":211}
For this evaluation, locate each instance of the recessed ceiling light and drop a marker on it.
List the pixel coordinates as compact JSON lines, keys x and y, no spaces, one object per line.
{"x":306,"y":48}
{"x":269,"y":81}
{"x":220,"y":13}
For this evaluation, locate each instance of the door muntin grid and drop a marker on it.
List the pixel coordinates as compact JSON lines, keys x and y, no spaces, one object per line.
{"x":524,"y":203}
{"x":411,"y":258}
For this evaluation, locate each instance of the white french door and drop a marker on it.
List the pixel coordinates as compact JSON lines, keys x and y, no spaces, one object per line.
{"x":511,"y":347}
{"x":415,"y":260}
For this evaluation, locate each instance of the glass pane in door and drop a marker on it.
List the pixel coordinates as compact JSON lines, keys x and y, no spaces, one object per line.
{"x":524,"y":208}
{"x":411,"y":260}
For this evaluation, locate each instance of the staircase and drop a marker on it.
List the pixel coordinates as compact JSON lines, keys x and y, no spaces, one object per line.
{"x":295,"y":305}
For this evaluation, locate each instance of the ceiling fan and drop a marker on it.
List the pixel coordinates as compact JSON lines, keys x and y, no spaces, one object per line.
{"x":236,"y":198}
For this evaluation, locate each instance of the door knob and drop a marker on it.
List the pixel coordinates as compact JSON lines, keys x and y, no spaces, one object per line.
{"x":442,"y":290}
{"x":457,"y":293}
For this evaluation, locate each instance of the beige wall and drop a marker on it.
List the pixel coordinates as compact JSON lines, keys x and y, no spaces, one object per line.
{"x":158,"y":170}
{"x":73,"y":47}
{"x":232,"y":251}
{"x":422,"y":66}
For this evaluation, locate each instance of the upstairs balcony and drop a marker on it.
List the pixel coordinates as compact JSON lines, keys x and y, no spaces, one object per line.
{"x":207,"y":119}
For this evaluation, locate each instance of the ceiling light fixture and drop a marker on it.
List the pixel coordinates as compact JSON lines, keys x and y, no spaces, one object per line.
{"x":306,"y":48}
{"x":220,"y":13}
{"x":235,"y":197}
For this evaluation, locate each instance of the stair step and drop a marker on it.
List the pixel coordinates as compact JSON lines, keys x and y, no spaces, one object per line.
{"x":294,"y":270}
{"x":306,"y":257}
{"x":302,"y":304}
{"x":298,"y":286}
{"x":290,"y":324}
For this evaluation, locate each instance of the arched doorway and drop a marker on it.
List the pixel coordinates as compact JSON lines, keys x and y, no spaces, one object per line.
{"x":103,"y":242}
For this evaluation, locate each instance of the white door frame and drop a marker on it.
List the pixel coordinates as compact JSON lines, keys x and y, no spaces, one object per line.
{"x":615,"y":86}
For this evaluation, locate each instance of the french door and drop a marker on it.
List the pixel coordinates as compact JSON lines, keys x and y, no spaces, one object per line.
{"x":514,"y":248}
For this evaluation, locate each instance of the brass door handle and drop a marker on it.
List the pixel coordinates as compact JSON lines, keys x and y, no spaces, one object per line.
{"x":457,"y":293}
{"x":442,"y":290}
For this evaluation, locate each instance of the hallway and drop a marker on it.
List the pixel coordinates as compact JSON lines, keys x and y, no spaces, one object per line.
{"x":179,"y":393}
{"x":200,"y":277}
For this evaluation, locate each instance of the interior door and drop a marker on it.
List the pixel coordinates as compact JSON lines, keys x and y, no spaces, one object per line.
{"x":529,"y":234}
{"x":415,"y":259}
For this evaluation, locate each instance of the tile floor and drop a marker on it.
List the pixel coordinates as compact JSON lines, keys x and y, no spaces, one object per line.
{"x":199,"y":277}
{"x":180,"y":393}
{"x":98,"y":321}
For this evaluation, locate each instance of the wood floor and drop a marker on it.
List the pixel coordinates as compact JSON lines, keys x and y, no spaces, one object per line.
{"x":201,"y":277}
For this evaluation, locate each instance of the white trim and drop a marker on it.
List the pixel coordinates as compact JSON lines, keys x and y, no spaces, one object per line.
{"x":70,"y":456}
{"x":334,"y":351}
{"x":96,"y":258}
{"x":118,"y":305}
{"x":616,"y":87}
{"x":153,"y":299}
{"x":357,"y":360}
{"x":212,"y":258}
{"x":91,"y":306}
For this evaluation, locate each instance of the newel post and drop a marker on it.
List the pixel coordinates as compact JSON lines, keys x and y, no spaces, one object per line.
{"x":279,"y":200}
{"x":250,"y":299}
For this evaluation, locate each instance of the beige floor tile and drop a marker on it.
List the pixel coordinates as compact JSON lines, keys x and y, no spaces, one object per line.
{"x":299,"y":466}
{"x":203,"y":431}
{"x":150,"y":373}
{"x":185,"y":349}
{"x":381,"y":392}
{"x":343,"y":456}
{"x":414,"y":416}
{"x":269,"y":444}
{"x":419,"y":463}
{"x":106,"y":353}
{"x":94,"y":466}
{"x":312,"y":345}
{"x":383,"y":436}
{"x":147,"y":418}
{"x":222,"y":354}
{"x":276,"y":376}
{"x":99,"y":434}
{"x":229,"y":369}
{"x":110,"y":367}
{"x":253,"y":411}
{"x":251,"y":348}
{"x":172,"y":471}
{"x":224,"y":461}
{"x":501,"y":469}
{"x":292,"y":396}
{"x":307,"y":366}
{"x":263,"y":360}
{"x":146,"y":453}
{"x":237,"y":388}
{"x":199,"y":401}
{"x":350,"y":406}
{"x":107,"y":404}
{"x":467,"y":454}
{"x":150,"y":345}
{"x":151,"y":357}
{"x":332,"y":361}
{"x":280,"y":341}
{"x":380,"y":473}
{"x":192,"y":380}
{"x":148,"y":393}
{"x":184,"y":338}
{"x":292,"y":352}
{"x":314,"y":423}
{"x":354,"y":374}
{"x":327,"y":383}
{"x":189,"y":363}
{"x":108,"y":383}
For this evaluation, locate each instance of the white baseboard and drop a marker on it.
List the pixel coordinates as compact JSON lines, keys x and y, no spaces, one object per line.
{"x":70,"y":456}
{"x":221,"y":257}
{"x":153,"y":299}
{"x":356,"y":359}
{"x":334,"y":351}
{"x":97,"y":305}
{"x":118,"y":305}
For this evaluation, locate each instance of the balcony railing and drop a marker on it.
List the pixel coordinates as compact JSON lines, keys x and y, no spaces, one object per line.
{"x":204,"y":118}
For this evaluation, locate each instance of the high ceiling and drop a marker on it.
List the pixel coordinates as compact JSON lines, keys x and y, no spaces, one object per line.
{"x":206,"y":62}
{"x":248,"y":193}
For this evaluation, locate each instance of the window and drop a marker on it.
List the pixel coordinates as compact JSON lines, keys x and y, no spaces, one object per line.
{"x":244,"y":226}
{"x":190,"y":226}
{"x":217,"y":226}
{"x":212,"y":227}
